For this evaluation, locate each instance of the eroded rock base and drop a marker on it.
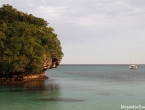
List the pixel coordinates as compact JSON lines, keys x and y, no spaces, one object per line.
{"x":22,"y":78}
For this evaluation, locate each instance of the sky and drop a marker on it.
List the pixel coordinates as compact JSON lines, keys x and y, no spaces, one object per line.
{"x":93,"y":31}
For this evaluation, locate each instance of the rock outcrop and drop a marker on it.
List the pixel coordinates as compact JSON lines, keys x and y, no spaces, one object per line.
{"x":49,"y":62}
{"x":23,"y":77}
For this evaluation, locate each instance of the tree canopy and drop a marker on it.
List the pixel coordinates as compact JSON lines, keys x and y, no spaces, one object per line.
{"x":24,"y":39}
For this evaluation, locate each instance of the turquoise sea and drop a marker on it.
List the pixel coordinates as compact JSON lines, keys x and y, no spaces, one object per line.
{"x":79,"y":87}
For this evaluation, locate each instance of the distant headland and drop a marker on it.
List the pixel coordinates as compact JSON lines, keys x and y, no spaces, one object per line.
{"x":28,"y":47}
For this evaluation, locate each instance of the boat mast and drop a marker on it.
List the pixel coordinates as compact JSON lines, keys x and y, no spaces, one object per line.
{"x":133,"y":66}
{"x":132,"y":59}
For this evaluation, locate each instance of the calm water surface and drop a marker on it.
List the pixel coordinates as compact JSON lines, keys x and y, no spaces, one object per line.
{"x":78,"y":87}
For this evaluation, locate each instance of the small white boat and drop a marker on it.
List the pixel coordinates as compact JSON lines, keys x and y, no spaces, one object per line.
{"x":133,"y":66}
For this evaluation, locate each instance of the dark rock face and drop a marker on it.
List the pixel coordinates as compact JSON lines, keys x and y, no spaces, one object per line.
{"x":50,"y":63}
{"x":55,"y":63}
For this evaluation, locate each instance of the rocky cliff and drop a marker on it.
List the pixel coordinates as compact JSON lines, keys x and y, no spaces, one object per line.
{"x":23,"y":77}
{"x":49,"y":62}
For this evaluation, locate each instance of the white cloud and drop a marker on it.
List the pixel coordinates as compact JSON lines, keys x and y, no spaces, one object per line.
{"x":50,"y":11}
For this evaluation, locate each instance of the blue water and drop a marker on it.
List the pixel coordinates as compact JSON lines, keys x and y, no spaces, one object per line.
{"x":78,"y":87}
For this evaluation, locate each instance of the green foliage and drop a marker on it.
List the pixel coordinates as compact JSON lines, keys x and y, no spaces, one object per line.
{"x":24,"y":39}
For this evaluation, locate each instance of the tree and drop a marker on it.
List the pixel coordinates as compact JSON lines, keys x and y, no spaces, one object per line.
{"x":24,"y":39}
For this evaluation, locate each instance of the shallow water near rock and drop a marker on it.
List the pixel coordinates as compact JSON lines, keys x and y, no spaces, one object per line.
{"x":78,"y":87}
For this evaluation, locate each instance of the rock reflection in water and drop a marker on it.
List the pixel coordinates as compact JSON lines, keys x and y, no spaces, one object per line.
{"x":60,"y":99}
{"x":40,"y":86}
{"x":34,"y":86}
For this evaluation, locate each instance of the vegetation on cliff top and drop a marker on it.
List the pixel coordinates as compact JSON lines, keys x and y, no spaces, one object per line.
{"x":24,"y":39}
